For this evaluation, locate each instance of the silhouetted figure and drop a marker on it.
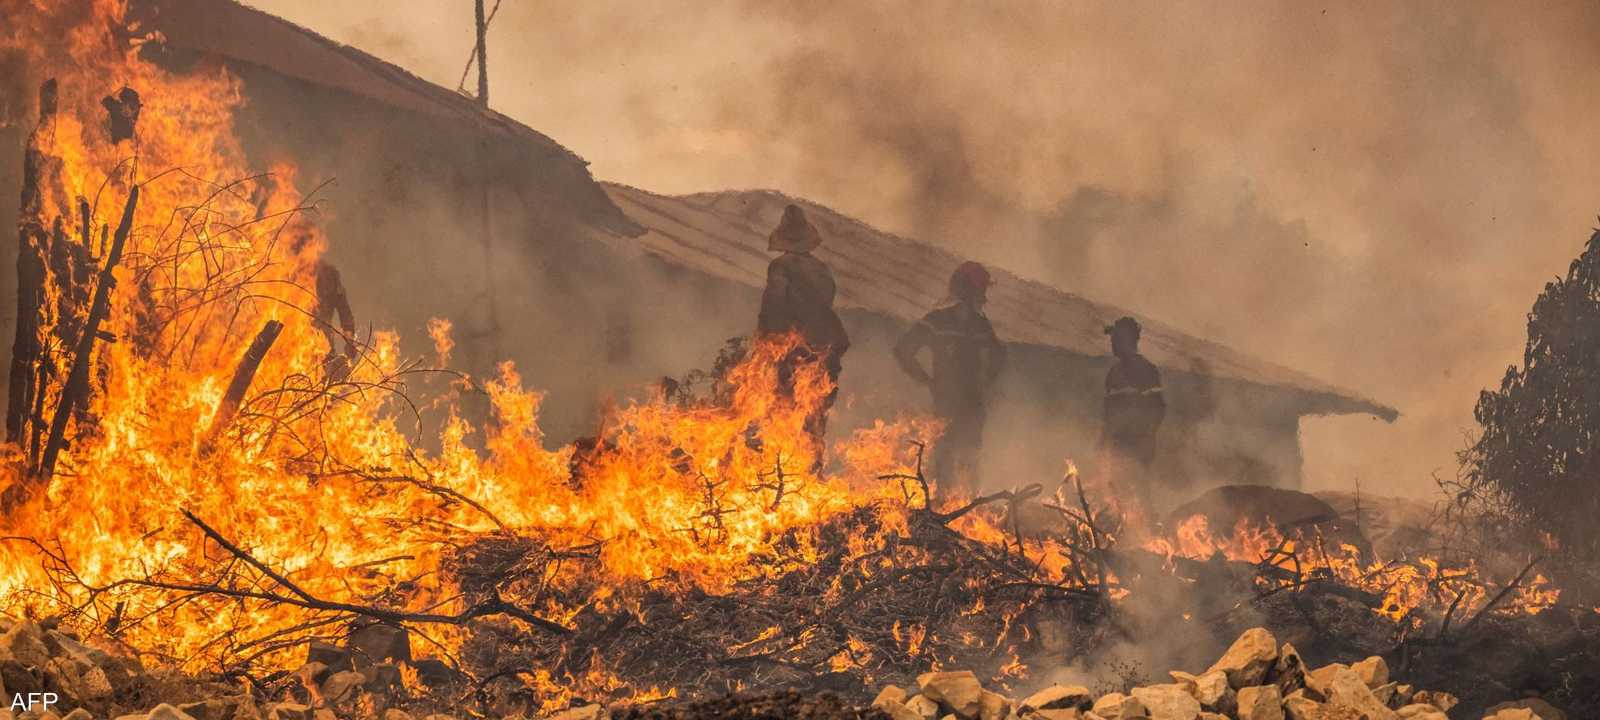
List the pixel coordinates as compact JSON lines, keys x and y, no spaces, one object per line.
{"x":799,"y":298}
{"x":1134,"y":409}
{"x":967,"y":358}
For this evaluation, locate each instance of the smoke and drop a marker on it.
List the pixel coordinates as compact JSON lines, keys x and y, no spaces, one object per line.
{"x":1370,"y":193}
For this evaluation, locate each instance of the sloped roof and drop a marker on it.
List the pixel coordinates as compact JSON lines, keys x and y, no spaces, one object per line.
{"x":724,"y":234}
{"x":229,"y":29}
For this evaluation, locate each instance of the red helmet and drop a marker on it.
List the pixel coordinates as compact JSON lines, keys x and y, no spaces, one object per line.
{"x":969,"y":280}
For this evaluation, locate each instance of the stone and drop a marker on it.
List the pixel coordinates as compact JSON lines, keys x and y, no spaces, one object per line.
{"x":331,"y":656}
{"x":1513,"y":714}
{"x":24,"y":643}
{"x":382,"y":678}
{"x":896,"y":710}
{"x":1538,"y":706}
{"x":1169,"y":702}
{"x":343,"y":687}
{"x":1373,"y":671}
{"x":323,"y":713}
{"x":1288,"y":671}
{"x":312,"y":674}
{"x":587,"y":712}
{"x":1248,"y":658}
{"x":167,"y":712}
{"x":213,"y":709}
{"x":78,"y":714}
{"x":1116,"y":706}
{"x":1317,"y":680}
{"x":890,"y":693}
{"x":434,"y":673}
{"x":1421,"y":711}
{"x":958,"y":690}
{"x":993,"y":706}
{"x":1402,"y":695}
{"x":288,"y":711}
{"x":1260,"y":702}
{"x":1057,"y":697}
{"x":1213,"y":692}
{"x":1300,"y":707}
{"x":924,"y":706}
{"x":95,"y":685}
{"x":1386,"y":694}
{"x":378,"y":643}
{"x":1347,"y":689}
{"x":1442,"y":700}
{"x":1058,"y":714}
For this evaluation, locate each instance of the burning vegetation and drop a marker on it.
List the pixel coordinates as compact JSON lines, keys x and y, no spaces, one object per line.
{"x":214,"y":494}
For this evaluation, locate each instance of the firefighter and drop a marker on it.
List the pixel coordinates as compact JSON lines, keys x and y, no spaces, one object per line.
{"x":1134,"y":409}
{"x":799,"y":299}
{"x":967,"y":359}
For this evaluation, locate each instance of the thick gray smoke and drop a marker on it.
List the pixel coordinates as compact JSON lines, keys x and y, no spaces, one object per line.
{"x":1372,"y":193}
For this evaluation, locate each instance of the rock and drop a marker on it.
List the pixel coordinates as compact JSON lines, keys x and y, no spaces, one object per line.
{"x":1058,"y":714}
{"x":993,"y":706}
{"x":1288,"y":671}
{"x":95,"y":685}
{"x":1213,"y":692}
{"x":167,"y":712}
{"x":1057,"y":697}
{"x":434,"y":673}
{"x":1347,"y":689}
{"x":323,"y":713}
{"x":342,"y":688}
{"x":1373,"y":671}
{"x":1116,"y":706}
{"x":378,"y":643}
{"x":1386,"y":694}
{"x":24,"y":643}
{"x":1169,"y":702}
{"x":1317,"y":680}
{"x":924,"y":706}
{"x":78,"y":714}
{"x":1298,"y":706}
{"x":896,"y":710}
{"x":587,"y":712}
{"x":959,"y":691}
{"x":331,"y":656}
{"x":1402,"y":695}
{"x":1442,"y":700}
{"x":1543,"y":709}
{"x":382,"y":678}
{"x":312,"y":674}
{"x":213,"y":709}
{"x":1247,"y":660}
{"x":1421,"y":711}
{"x":1513,"y":714}
{"x":890,"y":693}
{"x":288,"y":711}
{"x":1260,"y":702}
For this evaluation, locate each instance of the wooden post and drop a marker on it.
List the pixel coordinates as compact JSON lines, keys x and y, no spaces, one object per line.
{"x":32,"y":274}
{"x":483,"y":56}
{"x":77,"y":388}
{"x":243,"y":374}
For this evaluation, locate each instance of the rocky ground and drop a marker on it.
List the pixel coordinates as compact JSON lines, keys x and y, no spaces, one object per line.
{"x":1257,"y":678}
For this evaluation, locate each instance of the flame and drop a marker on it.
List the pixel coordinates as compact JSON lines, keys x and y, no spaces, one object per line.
{"x":1408,"y":589}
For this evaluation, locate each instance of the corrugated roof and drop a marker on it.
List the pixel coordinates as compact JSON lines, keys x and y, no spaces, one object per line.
{"x":725,"y":233}
{"x":229,"y":29}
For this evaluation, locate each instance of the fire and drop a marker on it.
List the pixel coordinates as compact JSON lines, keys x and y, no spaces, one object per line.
{"x":316,"y":476}
{"x":1408,"y":589}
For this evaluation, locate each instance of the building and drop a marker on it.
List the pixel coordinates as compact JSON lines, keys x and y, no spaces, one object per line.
{"x":442,"y":208}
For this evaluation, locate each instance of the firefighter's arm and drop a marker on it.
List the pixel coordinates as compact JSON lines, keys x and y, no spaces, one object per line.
{"x":905,"y":352}
{"x":997,"y":357}
{"x":774,"y":315}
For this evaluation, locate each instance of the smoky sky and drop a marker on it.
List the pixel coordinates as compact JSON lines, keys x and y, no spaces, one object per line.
{"x":1372,"y":193}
